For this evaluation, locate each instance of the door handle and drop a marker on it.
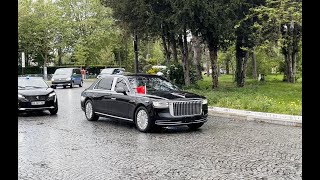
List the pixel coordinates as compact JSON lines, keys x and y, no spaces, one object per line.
{"x":113,"y":98}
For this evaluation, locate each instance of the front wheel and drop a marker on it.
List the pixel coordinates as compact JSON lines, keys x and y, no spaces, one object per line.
{"x":142,"y":120}
{"x":90,"y":115}
{"x":195,"y":126}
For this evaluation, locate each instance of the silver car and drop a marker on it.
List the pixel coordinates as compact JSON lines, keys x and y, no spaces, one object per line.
{"x":109,"y":71}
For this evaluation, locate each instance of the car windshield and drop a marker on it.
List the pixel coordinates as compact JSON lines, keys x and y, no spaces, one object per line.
{"x":152,"y":83}
{"x":107,"y":71}
{"x":62,"y":72}
{"x":31,"y":83}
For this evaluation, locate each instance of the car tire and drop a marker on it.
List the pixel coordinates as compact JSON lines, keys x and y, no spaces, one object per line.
{"x":55,"y":110}
{"x":81,"y":84}
{"x":64,"y":86}
{"x":142,"y":120}
{"x":195,"y":126}
{"x":54,"y":87}
{"x":89,"y":112}
{"x":72,"y":84}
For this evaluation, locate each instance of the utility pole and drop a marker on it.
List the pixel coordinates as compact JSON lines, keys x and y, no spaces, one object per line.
{"x":135,"y":45}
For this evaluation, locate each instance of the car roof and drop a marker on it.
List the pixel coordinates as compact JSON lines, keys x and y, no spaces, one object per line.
{"x":28,"y":77}
{"x":132,"y":74}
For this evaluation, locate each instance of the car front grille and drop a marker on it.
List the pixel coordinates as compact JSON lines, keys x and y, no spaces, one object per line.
{"x":185,"y":108}
{"x":37,"y":98}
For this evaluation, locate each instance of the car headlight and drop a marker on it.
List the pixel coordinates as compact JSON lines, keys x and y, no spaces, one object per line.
{"x":52,"y":79}
{"x":20,"y":96}
{"x":204,"y":101}
{"x":68,"y":79}
{"x":160,"y":104}
{"x":52,"y":94}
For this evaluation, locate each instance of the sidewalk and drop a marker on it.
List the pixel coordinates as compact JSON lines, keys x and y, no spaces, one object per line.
{"x":272,"y":118}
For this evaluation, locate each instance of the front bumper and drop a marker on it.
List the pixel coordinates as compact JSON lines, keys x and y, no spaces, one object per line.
{"x":162,"y":117}
{"x":27,"y":106}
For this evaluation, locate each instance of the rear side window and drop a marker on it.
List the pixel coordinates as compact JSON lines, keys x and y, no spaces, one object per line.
{"x":105,"y":83}
{"x":78,"y":71}
{"x":121,"y":83}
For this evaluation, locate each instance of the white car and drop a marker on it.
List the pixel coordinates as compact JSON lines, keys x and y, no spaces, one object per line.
{"x":109,"y":71}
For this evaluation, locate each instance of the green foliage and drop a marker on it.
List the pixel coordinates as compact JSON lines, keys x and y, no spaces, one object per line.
{"x":146,"y":68}
{"x":153,"y":71}
{"x":176,"y":74}
{"x":272,"y":96}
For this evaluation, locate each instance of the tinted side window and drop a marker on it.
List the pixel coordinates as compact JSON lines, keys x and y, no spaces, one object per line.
{"x":105,"y":83}
{"x":121,"y":83}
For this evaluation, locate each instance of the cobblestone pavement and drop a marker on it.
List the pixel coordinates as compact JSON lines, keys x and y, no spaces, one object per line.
{"x":67,"y":146}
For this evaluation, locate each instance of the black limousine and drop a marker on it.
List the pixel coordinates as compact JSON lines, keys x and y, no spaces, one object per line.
{"x":147,"y":100}
{"x":34,"y":94}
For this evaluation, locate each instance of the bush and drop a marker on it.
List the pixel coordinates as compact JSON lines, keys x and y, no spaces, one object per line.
{"x":146,"y":68}
{"x":153,"y":71}
{"x":176,"y":74}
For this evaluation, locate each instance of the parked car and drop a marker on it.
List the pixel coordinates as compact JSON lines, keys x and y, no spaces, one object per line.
{"x":147,"y":100}
{"x":67,"y":77}
{"x":35,"y":94}
{"x":109,"y":71}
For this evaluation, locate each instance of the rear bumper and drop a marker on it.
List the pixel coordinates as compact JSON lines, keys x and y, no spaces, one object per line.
{"x":61,"y":83}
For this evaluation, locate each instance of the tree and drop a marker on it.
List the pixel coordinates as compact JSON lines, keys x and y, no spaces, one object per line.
{"x":281,"y":23}
{"x":213,"y":22}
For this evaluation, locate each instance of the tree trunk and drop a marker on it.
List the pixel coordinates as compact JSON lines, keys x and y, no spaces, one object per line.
{"x":290,"y":77}
{"x":45,"y":60}
{"x":174,"y":49}
{"x":294,"y":66}
{"x":254,"y":65}
{"x":213,"y":51}
{"x":197,"y":56}
{"x":241,"y":63}
{"x":207,"y":62}
{"x":185,"y":64}
{"x":59,"y":56}
{"x":227,"y":67}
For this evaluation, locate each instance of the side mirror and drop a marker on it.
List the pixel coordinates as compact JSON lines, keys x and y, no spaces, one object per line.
{"x":121,"y":90}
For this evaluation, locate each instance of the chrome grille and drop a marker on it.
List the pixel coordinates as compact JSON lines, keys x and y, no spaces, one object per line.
{"x":185,"y":108}
{"x":34,"y":98}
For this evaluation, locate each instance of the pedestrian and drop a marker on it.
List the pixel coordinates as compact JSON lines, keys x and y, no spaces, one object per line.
{"x":83,"y":73}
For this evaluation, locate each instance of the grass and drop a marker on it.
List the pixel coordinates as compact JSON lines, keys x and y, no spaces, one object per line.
{"x":272,"y":96}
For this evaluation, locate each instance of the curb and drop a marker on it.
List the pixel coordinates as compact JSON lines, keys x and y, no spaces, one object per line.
{"x":282,"y":119}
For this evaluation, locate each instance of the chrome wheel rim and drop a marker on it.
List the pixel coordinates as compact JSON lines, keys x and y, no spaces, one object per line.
{"x":89,"y":110}
{"x":142,"y":119}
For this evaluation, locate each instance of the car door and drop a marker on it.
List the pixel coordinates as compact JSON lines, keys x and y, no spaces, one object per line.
{"x":102,"y":95}
{"x":76,"y":74}
{"x":122,"y":103}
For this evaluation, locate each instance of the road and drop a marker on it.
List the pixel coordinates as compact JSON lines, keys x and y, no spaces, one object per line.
{"x":67,"y":146}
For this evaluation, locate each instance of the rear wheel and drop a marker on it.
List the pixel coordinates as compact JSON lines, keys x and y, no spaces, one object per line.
{"x":90,"y":115}
{"x":195,"y":126}
{"x":142,"y":120}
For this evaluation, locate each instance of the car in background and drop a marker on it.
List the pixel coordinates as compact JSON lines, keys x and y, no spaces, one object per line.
{"x":35,"y":94}
{"x":146,"y":100}
{"x":67,"y":77}
{"x":109,"y":71}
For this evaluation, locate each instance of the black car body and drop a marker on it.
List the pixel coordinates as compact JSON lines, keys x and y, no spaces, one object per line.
{"x":109,"y":71}
{"x":118,"y":96}
{"x":35,"y":94}
{"x":67,"y":77}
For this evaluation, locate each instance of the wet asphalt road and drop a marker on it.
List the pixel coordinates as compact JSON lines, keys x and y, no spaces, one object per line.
{"x":67,"y":146}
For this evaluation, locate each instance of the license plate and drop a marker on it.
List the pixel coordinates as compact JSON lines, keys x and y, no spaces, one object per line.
{"x":38,"y":103}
